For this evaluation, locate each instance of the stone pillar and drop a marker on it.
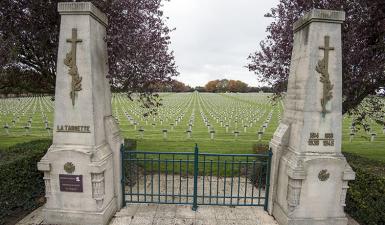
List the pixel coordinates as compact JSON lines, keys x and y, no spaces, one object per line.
{"x":309,"y":174}
{"x":82,"y":168}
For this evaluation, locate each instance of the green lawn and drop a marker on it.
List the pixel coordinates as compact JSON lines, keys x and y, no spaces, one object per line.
{"x":7,"y":141}
{"x":371,"y":150}
{"x":177,"y":112}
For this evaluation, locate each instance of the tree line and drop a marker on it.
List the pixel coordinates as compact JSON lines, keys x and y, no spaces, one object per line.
{"x":226,"y":85}
{"x":214,"y":86}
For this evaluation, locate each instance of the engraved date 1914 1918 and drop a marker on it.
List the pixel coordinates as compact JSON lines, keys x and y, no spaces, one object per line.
{"x":315,"y":139}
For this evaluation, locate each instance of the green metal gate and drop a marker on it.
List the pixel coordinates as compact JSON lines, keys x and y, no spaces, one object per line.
{"x":195,"y":178}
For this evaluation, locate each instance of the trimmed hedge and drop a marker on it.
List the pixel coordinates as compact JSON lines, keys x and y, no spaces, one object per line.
{"x":21,"y":184}
{"x":365,"y":200}
{"x":257,"y":173}
{"x":130,"y":167}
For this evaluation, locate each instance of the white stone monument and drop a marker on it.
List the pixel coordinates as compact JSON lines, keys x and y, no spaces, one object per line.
{"x":309,"y":176}
{"x":82,"y":168}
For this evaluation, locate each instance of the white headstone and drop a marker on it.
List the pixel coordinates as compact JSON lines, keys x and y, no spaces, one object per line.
{"x":82,"y":168}
{"x":309,"y":174}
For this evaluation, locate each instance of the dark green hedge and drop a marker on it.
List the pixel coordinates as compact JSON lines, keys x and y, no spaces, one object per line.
{"x":130,"y":167}
{"x":365,"y":200}
{"x":130,"y":144}
{"x":21,"y":184}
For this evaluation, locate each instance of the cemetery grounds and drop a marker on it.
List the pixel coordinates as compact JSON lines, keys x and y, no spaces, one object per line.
{"x":219,"y":123}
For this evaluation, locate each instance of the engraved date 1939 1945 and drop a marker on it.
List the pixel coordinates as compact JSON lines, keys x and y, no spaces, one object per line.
{"x":315,"y":139}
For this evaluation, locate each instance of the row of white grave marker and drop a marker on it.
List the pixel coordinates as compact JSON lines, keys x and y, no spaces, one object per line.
{"x":232,"y":114}
{"x":241,"y":119}
{"x":20,"y":115}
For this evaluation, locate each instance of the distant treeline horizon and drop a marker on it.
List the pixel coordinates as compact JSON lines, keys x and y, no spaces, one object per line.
{"x":213,"y":86}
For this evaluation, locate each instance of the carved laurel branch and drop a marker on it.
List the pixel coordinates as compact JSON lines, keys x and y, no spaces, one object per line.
{"x":76,"y":79}
{"x":321,"y":68}
{"x":327,"y":85}
{"x":74,"y":73}
{"x":68,"y":59}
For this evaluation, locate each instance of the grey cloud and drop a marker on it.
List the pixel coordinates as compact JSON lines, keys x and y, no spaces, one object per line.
{"x":214,"y":37}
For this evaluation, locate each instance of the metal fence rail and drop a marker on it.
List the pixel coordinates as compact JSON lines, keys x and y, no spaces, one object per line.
{"x":195,"y":178}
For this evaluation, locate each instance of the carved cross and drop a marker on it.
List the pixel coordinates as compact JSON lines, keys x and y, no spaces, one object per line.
{"x":323,"y":68}
{"x":326,"y":49}
{"x":74,"y":40}
{"x":70,"y":61}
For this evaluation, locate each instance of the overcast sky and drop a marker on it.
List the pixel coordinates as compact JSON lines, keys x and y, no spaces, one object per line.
{"x":214,"y":37}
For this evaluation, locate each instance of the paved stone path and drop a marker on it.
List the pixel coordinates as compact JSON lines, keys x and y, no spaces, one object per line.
{"x":153,"y":214}
{"x":183,"y":215}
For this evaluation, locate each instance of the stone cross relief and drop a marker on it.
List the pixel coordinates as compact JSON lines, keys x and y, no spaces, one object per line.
{"x":70,"y":61}
{"x":323,"y":68}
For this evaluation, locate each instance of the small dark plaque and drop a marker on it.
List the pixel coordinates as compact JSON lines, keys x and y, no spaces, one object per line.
{"x":71,"y":183}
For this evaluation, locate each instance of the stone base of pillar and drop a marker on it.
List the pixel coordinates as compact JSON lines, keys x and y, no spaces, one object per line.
{"x":68,"y":217}
{"x":284,"y":219}
{"x":79,"y":184}
{"x":311,"y":189}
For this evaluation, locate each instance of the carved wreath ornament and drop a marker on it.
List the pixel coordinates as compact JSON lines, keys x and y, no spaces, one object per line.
{"x":323,"y":175}
{"x":69,"y":167}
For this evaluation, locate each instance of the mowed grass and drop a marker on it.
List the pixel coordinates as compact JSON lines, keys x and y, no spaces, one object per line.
{"x":373,"y":150}
{"x":7,"y":141}
{"x":252,"y":109}
{"x":214,"y":107}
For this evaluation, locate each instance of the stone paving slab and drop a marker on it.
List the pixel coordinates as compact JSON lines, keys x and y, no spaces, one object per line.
{"x":183,"y":215}
{"x":162,"y":214}
{"x":153,"y":214}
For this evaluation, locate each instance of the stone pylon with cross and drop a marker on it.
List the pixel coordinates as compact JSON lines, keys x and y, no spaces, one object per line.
{"x":82,"y":168}
{"x":309,"y":175}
